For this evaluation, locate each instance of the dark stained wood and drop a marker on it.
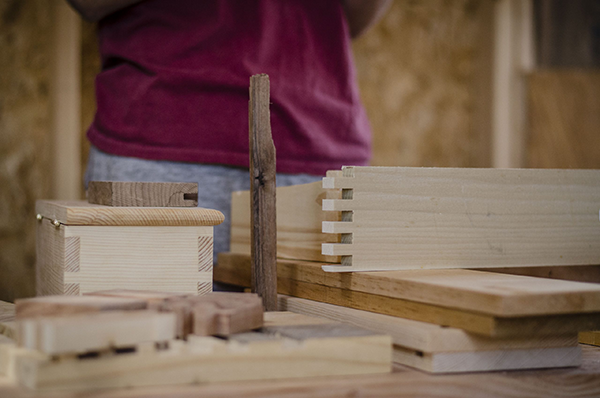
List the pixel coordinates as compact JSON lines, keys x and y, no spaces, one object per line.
{"x":262,"y":187}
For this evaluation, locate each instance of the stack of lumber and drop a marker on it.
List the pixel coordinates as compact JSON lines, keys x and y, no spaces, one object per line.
{"x":130,"y":338}
{"x":422,"y":226}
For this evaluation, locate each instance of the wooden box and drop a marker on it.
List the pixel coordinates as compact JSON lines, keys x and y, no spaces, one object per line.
{"x":83,"y":247}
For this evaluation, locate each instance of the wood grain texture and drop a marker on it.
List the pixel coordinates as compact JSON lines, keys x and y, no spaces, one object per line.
{"x":485,"y":361}
{"x":83,"y":213}
{"x":592,"y":338}
{"x":475,"y":322}
{"x":299,"y":219}
{"x":65,"y":305}
{"x":576,"y":273}
{"x":167,"y":258}
{"x":143,"y":194}
{"x":413,"y":218}
{"x":564,"y":119}
{"x":208,"y":359}
{"x":263,"y":222}
{"x":86,"y":332}
{"x":420,"y":336}
{"x":224,"y":313}
{"x":470,"y":290}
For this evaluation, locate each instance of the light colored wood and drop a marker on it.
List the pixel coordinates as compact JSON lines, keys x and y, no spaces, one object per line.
{"x":576,"y":273}
{"x":421,"y":336}
{"x":170,"y":258}
{"x":7,"y":317}
{"x":143,"y":194}
{"x":592,"y":338}
{"x":416,"y":218}
{"x":485,"y":361}
{"x":154,"y":299}
{"x":208,"y":359}
{"x":83,"y":213}
{"x":299,"y":219}
{"x":66,"y":103}
{"x":475,"y":322}
{"x":263,"y":219}
{"x":81,"y":333}
{"x":470,"y":290}
{"x":224,"y":313}
{"x":6,"y":344}
{"x":564,"y":119}
{"x":67,"y":305}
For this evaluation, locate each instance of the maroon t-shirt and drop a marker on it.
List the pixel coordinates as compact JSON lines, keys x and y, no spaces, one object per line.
{"x":175,"y":77}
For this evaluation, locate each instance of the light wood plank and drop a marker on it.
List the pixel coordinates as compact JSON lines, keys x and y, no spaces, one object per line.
{"x":143,"y":194}
{"x":421,"y":336}
{"x":299,"y":219}
{"x":83,"y":213}
{"x":81,"y":333}
{"x":469,"y":290}
{"x":208,"y":359}
{"x":485,"y":361}
{"x":68,"y":305}
{"x":415,"y":218}
{"x":223,"y":314}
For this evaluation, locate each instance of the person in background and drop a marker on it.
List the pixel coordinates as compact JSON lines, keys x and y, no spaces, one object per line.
{"x":172,"y":95}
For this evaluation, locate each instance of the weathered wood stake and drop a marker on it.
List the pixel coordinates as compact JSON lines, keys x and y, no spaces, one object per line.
{"x":262,"y":186}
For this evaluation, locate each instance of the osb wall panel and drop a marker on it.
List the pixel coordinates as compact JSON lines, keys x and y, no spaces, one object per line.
{"x":564,"y":119}
{"x":424,"y":74}
{"x":25,"y":139}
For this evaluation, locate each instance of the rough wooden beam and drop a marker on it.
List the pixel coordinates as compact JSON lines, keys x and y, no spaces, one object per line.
{"x":143,"y":194}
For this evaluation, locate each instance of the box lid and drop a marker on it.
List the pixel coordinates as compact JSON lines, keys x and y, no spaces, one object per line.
{"x":83,"y":213}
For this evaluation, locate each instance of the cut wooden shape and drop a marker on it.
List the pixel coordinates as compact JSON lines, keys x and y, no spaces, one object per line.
{"x":83,"y":213}
{"x":223,"y":314}
{"x":209,"y":359}
{"x":476,"y":322}
{"x":470,"y":290}
{"x":154,"y":299}
{"x":416,"y":218}
{"x":421,"y":336}
{"x":143,"y":194}
{"x":591,"y":338}
{"x":485,"y":361}
{"x":81,"y":333}
{"x":67,"y":305}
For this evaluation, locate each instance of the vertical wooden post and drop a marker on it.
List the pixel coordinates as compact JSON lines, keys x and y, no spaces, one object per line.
{"x":262,"y":188}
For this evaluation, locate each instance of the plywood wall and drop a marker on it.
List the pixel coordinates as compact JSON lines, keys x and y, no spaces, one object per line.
{"x":564,"y":119}
{"x":25,"y":139}
{"x":425,"y":74}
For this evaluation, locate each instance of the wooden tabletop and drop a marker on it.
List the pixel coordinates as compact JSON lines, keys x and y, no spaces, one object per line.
{"x":403,"y":382}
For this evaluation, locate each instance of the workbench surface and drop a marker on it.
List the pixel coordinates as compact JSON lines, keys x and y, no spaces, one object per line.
{"x":403,"y":382}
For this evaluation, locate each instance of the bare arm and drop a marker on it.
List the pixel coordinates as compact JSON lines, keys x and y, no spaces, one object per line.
{"x":95,"y":10}
{"x":362,"y":14}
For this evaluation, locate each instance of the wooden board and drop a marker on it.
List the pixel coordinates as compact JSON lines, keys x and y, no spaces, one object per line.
{"x":420,"y":336}
{"x":576,"y":273}
{"x":283,"y":353}
{"x":415,"y":218}
{"x":223,"y":314}
{"x":475,"y":322}
{"x":83,"y":213}
{"x":299,"y":218}
{"x":485,"y":361}
{"x":81,"y":333}
{"x":469,"y":290}
{"x":66,"y":305}
{"x":592,"y":338}
{"x":143,"y":194}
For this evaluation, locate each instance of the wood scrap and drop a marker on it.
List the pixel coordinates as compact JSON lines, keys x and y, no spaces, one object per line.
{"x":591,"y":338}
{"x":263,"y":222}
{"x":247,"y":356}
{"x":223,"y":314}
{"x":418,"y":218}
{"x":86,"y":332}
{"x":68,"y":305}
{"x":154,"y":299}
{"x":143,"y":194}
